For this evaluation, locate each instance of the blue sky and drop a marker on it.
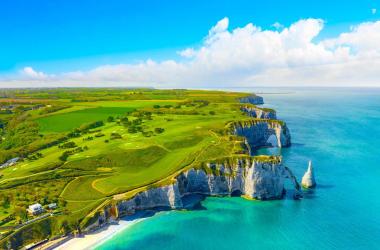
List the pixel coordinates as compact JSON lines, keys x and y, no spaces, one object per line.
{"x":72,"y":35}
{"x":43,"y":31}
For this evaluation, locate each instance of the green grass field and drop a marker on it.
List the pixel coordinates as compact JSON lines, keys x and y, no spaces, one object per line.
{"x":68,"y":121}
{"x":168,"y":130}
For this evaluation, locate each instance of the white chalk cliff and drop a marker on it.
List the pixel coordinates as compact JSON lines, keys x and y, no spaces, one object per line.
{"x":261,"y":178}
{"x":308,"y":180}
{"x":252,"y":99}
{"x":256,"y":112}
{"x":263,"y":133}
{"x":253,"y":179}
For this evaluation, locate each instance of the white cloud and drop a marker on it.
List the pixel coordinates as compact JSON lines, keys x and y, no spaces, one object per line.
{"x":277,"y":25}
{"x":189,"y":52}
{"x":248,"y":56}
{"x":30,"y":73}
{"x":363,"y":40}
{"x":220,"y":26}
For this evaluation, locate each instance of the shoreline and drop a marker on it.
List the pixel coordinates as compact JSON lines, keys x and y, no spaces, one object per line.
{"x":94,"y":239}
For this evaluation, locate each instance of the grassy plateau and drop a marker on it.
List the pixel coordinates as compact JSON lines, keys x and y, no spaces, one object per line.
{"x":81,"y":147}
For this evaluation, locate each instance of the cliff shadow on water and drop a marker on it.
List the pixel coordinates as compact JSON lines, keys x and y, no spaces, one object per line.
{"x":194,"y":202}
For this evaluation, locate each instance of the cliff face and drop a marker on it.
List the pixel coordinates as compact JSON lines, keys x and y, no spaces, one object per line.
{"x":258,"y":112}
{"x":166,"y":196}
{"x":263,"y":133}
{"x":248,"y":176}
{"x":255,"y":180}
{"x":252,"y":99}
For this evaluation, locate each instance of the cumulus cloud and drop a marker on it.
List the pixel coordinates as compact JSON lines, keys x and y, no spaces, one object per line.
{"x":221,"y":26}
{"x":189,"y":52}
{"x":249,"y":56}
{"x":363,"y":40}
{"x":277,"y":25}
{"x":30,"y":73}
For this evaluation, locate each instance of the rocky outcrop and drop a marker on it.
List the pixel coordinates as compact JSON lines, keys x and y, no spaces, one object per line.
{"x":262,"y":113}
{"x":308,"y":180}
{"x":252,"y":99}
{"x":253,"y":179}
{"x":161,"y":197}
{"x":263,"y":133}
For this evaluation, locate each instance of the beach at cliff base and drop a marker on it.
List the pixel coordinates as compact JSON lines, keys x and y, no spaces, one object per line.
{"x":97,"y":237}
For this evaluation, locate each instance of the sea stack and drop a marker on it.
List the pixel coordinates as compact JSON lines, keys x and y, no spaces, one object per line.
{"x":308,"y":180}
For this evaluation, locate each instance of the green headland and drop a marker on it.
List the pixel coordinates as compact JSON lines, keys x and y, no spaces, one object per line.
{"x":80,"y":148}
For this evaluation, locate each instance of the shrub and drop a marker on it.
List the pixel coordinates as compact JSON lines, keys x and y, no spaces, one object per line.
{"x":69,"y":144}
{"x":124,"y":121}
{"x":67,"y":153}
{"x":115,"y":136}
{"x":147,"y":133}
{"x":91,"y":125}
{"x":110,"y":119}
{"x":159,"y":130}
{"x":99,"y":135}
{"x":64,"y":156}
{"x":132,"y":129}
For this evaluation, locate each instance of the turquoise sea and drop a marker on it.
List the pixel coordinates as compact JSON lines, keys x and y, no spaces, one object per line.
{"x":339,"y":130}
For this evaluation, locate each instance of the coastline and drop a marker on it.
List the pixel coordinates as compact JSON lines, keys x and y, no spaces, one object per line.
{"x":91,"y":240}
{"x":94,"y":239}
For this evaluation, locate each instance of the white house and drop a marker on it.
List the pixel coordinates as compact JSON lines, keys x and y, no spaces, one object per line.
{"x":35,"y":209}
{"x":52,"y":206}
{"x":10,"y":162}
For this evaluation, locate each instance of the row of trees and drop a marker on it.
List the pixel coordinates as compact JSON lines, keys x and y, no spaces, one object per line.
{"x":67,"y":153}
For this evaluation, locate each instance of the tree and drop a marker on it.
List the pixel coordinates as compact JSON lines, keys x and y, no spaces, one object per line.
{"x":45,"y":200}
{"x":5,"y":201}
{"x":65,"y":227}
{"x":137,"y":121}
{"x":69,"y":144}
{"x":65,"y":155}
{"x":20,"y":213}
{"x":124,"y":121}
{"x":132,"y":130}
{"x":110,"y":119}
{"x":159,"y":130}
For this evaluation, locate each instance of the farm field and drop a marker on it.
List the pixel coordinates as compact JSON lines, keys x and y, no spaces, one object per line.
{"x":71,"y":120}
{"x":112,"y":142}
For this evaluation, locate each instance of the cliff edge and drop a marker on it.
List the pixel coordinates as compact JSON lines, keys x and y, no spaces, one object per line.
{"x":252,"y":99}
{"x":253,"y":177}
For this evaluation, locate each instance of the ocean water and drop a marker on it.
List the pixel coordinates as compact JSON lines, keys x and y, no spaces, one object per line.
{"x":339,"y":130}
